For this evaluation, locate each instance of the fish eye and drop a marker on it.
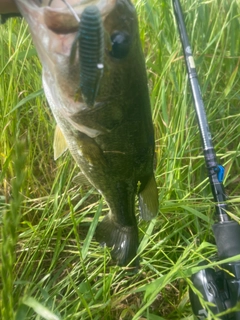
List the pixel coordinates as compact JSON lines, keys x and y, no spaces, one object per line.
{"x":120,"y":44}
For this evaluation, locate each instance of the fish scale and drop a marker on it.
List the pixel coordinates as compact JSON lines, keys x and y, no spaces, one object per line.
{"x":108,"y":127}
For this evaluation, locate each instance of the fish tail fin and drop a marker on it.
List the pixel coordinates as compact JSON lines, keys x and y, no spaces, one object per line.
{"x":148,"y":200}
{"x":122,"y":239}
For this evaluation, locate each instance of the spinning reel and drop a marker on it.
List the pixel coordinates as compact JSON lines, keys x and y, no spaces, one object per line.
{"x":220,"y":287}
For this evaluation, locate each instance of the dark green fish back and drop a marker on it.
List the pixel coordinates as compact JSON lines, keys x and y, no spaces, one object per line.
{"x":124,"y":151}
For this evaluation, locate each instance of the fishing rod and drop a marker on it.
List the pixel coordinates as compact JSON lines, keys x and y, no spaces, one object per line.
{"x":221,"y":286}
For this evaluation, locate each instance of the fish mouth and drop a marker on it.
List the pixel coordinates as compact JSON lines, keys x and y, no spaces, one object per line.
{"x":58,"y":14}
{"x":75,"y":81}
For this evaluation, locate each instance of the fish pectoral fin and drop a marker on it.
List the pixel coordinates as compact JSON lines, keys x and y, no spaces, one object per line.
{"x":59,"y":143}
{"x":122,"y":239}
{"x":80,"y":179}
{"x":148,"y":200}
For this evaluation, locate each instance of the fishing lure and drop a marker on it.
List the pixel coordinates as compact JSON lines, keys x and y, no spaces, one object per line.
{"x":90,"y":43}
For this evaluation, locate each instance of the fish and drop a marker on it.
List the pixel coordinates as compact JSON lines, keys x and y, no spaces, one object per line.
{"x":95,"y":81}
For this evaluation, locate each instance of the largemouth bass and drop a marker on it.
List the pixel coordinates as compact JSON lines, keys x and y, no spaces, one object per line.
{"x":95,"y":82}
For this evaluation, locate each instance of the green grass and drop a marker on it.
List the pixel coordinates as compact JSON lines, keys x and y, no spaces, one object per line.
{"x":51,"y":266}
